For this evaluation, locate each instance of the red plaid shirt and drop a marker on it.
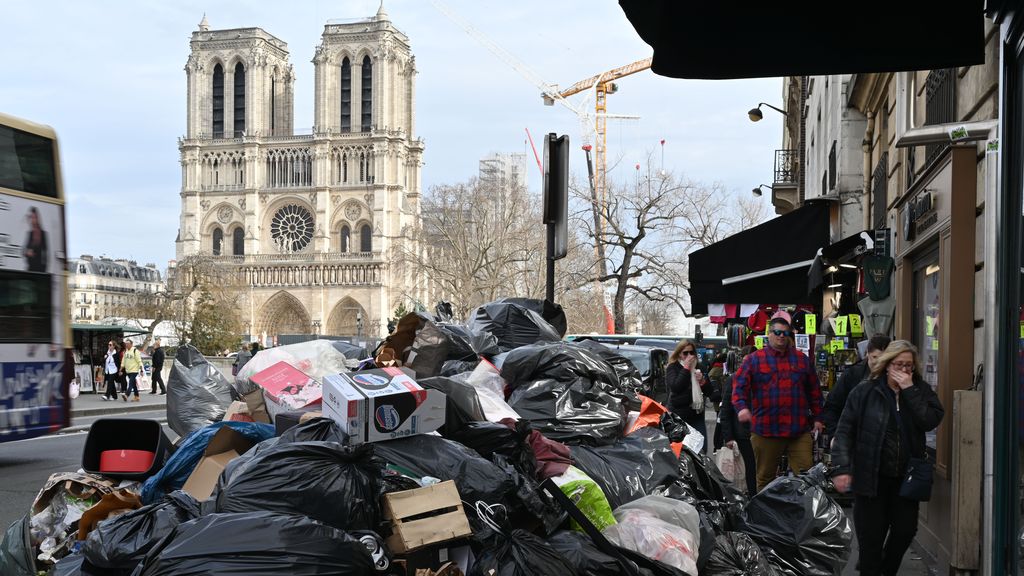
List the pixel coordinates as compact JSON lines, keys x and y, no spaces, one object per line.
{"x":781,"y":391}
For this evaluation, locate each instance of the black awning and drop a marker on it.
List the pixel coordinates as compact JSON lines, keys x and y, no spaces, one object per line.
{"x":716,"y":40}
{"x":766,"y":264}
{"x":844,"y":250}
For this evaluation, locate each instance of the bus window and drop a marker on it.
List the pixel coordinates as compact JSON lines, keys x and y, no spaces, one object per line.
{"x":27,"y":162}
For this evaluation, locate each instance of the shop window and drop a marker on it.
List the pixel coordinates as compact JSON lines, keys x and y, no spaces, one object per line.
{"x":926,"y":284}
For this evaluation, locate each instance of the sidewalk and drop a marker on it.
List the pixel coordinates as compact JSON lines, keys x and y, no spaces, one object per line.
{"x":89,"y":404}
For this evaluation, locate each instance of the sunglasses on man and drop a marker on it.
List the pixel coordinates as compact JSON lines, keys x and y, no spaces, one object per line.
{"x":786,"y":333}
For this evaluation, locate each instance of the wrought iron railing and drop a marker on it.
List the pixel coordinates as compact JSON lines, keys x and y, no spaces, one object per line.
{"x":787,"y":165}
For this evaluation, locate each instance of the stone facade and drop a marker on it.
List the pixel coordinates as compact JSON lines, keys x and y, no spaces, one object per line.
{"x":99,"y":288}
{"x":310,"y":220}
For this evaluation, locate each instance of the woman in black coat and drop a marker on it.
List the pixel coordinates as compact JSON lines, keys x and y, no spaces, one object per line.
{"x":737,"y":433}
{"x":881,"y":428}
{"x":682,"y":366}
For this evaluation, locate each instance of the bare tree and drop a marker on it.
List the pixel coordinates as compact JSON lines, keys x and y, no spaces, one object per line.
{"x":205,"y":296}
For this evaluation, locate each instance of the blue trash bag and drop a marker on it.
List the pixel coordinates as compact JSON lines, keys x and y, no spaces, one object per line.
{"x":190,"y":450}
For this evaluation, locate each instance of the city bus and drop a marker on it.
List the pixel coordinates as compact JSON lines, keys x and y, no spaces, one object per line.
{"x":36,"y":366}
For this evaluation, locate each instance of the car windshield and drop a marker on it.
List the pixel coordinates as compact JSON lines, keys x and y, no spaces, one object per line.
{"x":640,"y":358}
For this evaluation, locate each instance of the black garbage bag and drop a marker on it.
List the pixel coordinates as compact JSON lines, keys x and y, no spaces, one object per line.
{"x":257,"y":544}
{"x":632,"y":468}
{"x":584,"y":556}
{"x":674,"y":426}
{"x":77,"y":565}
{"x":197,"y":393}
{"x":805,"y":530}
{"x":444,"y":312}
{"x":462,"y":405}
{"x":735,"y":554}
{"x":469,"y":345}
{"x":723,"y":516}
{"x":16,"y":557}
{"x":706,"y":479}
{"x":452,"y":367}
{"x":630,"y":382}
{"x":512,"y":325}
{"x":548,"y":310}
{"x":335,"y":484}
{"x":520,"y":553}
{"x":315,"y":430}
{"x":567,"y":393}
{"x":533,"y":505}
{"x":349,"y":350}
{"x":426,"y":455}
{"x":490,"y":438}
{"x":117,"y":545}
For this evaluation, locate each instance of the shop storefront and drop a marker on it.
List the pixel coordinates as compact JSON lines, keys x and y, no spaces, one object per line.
{"x":934,"y":308}
{"x":89,"y":346}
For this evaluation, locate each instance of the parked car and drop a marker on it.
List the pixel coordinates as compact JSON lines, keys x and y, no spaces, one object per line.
{"x":650,"y":362}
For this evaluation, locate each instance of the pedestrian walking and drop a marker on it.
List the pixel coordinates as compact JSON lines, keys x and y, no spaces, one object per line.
{"x":776,"y":390}
{"x":687,"y":386}
{"x":881,"y":430}
{"x":241,"y":359}
{"x":158,"y":366}
{"x":111,"y":367}
{"x":131,"y":363}
{"x":735,"y":433}
{"x":852,"y":376}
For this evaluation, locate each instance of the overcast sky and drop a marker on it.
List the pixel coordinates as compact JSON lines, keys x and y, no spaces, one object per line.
{"x":109,"y":77}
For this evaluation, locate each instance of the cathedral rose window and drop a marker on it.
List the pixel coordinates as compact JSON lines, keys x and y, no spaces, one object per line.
{"x":292,"y":228}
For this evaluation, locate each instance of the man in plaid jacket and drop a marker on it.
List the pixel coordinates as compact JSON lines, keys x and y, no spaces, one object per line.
{"x":776,"y":390}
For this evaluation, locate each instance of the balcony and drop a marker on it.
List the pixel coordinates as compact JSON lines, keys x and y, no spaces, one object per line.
{"x":304,"y":258}
{"x":786,"y":185}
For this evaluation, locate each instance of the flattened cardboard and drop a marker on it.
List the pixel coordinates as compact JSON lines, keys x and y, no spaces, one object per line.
{"x":225,"y":446}
{"x":286,"y":388}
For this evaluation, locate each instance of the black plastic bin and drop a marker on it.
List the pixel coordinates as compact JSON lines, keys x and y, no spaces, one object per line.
{"x":126,"y":434}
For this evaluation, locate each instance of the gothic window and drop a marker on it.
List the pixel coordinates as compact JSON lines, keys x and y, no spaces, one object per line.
{"x":346,"y":234}
{"x":365,"y":239}
{"x":273,"y":104}
{"x":344,"y":168}
{"x":346,"y":95}
{"x":218,"y":239}
{"x":367,"y":93}
{"x":218,"y":101}
{"x":362,"y":167}
{"x":238,"y":242}
{"x":239,"y":99}
{"x":291,"y":228}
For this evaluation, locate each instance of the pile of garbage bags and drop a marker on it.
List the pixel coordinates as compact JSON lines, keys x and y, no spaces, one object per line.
{"x":557,"y":466}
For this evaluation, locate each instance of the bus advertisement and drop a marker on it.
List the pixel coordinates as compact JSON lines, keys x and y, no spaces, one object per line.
{"x":35,"y":354}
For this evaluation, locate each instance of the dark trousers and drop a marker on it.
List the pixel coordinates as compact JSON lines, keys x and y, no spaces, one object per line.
{"x":111,"y":381}
{"x":133,"y":385}
{"x":886,"y":524}
{"x":697,"y":422}
{"x":749,"y":464}
{"x":158,"y":378}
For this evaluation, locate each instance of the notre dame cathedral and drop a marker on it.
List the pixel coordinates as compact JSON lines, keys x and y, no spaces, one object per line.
{"x":311,"y":218}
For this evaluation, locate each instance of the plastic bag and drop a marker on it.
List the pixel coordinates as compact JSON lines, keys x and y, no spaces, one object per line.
{"x":581,"y":552}
{"x":197,"y":393}
{"x":631,"y":385}
{"x":315,"y":430}
{"x":705,"y":479}
{"x":57,"y":509}
{"x":587,"y":496}
{"x":651,"y":536}
{"x":520,"y":554}
{"x":672,"y":511}
{"x":335,"y":484}
{"x":631,"y":468}
{"x":315,"y":358}
{"x":567,"y":392}
{"x":729,"y":462}
{"x":462,"y":404}
{"x":190,"y":450}
{"x":74,"y":389}
{"x":512,"y":325}
{"x":426,"y":455}
{"x":16,"y":558}
{"x":735,"y":554}
{"x":552,"y":313}
{"x":806,"y":530}
{"x":257,"y":544}
{"x":490,"y":392}
{"x":119,"y":544}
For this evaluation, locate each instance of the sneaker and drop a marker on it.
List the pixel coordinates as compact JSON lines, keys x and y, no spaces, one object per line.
{"x":104,"y":398}
{"x":124,"y":396}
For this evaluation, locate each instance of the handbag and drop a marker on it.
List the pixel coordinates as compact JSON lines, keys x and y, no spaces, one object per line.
{"x":917,"y":482}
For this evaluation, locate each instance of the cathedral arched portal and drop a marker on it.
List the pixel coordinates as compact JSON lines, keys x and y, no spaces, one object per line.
{"x":344,"y":318}
{"x":283,"y":314}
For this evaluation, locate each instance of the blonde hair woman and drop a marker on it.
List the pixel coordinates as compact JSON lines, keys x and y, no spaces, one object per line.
{"x":882,"y":427}
{"x":687,"y":386}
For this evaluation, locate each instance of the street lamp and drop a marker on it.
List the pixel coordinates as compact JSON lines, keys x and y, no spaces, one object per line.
{"x":757,"y":191}
{"x":755,"y":113}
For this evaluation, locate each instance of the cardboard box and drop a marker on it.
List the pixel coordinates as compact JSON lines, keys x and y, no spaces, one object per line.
{"x":425,"y":516}
{"x":286,"y":388}
{"x":238,"y":411}
{"x":257,"y":406}
{"x":433,"y":558}
{"x":225,"y":446}
{"x":374,"y":405}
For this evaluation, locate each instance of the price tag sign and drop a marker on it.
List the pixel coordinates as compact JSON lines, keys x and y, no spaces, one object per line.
{"x":811,"y":325}
{"x":841,"y":324}
{"x":855,"y":327}
{"x":935,"y":343}
{"x":837,"y":344}
{"x":759,"y":342}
